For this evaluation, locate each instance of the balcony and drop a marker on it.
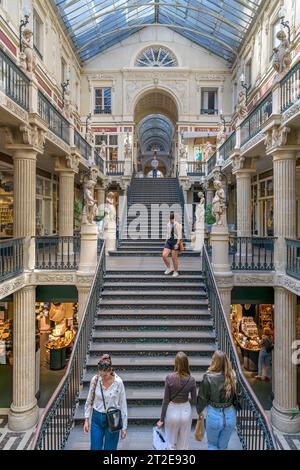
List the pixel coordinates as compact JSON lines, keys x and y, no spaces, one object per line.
{"x":11,"y":258}
{"x":105,"y":110}
{"x":253,"y":123}
{"x":228,"y":147}
{"x":252,"y":254}
{"x":57,"y":123}
{"x":293,"y":258}
{"x":210,"y":112}
{"x":99,"y":161}
{"x":82,"y":145}
{"x":57,"y":252}
{"x":196,"y":169}
{"x":13,"y":82}
{"x":211,"y":163}
{"x":114,"y":168}
{"x":290,"y":88}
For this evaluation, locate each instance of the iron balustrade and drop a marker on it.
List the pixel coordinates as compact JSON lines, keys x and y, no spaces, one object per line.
{"x":99,"y":161}
{"x":105,"y":110}
{"x":211,"y":163}
{"x":196,"y":168}
{"x":83,"y":146}
{"x":253,"y":427}
{"x":252,"y":125}
{"x":57,"y":123}
{"x":227,"y":148}
{"x":11,"y":258}
{"x":209,"y":111}
{"x":57,"y":419}
{"x":57,"y":252}
{"x":252,"y":253}
{"x":290,"y":88}
{"x":13,"y":82}
{"x":293,"y":258}
{"x":114,"y":168}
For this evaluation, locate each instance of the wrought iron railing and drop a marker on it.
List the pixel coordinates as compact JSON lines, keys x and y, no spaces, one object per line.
{"x":293,"y":258}
{"x":211,"y":163}
{"x":290,"y":88}
{"x":82,"y":145}
{"x":13,"y":82}
{"x":105,"y":110}
{"x":11,"y":258}
{"x":57,"y":123}
{"x":99,"y":161}
{"x":209,"y":111}
{"x":196,"y":168}
{"x":253,"y":123}
{"x":252,"y":253}
{"x":57,"y":252}
{"x":227,"y":148}
{"x":253,"y":427}
{"x":114,"y":168}
{"x":57,"y":419}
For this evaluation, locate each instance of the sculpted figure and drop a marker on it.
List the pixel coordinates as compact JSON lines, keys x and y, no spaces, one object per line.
{"x":182,"y":151}
{"x":127,"y":149}
{"x":90,"y":201}
{"x":242,"y":106}
{"x":200,"y":211}
{"x":110,"y":210}
{"x":103,"y":150}
{"x":219,"y":209}
{"x":209,"y":150}
{"x":282,"y":57}
{"x":27,"y":56}
{"x":221,"y":136}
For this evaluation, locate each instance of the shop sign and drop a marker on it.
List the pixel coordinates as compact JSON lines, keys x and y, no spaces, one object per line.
{"x":105,"y":129}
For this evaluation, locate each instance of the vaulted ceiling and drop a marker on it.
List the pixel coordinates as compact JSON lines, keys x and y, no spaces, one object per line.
{"x":217,"y":25}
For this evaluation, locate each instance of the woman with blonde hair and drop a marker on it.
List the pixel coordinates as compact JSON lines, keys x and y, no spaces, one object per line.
{"x":176,"y":413}
{"x":217,"y":392}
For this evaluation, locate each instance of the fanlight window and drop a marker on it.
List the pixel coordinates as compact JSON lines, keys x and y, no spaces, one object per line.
{"x":156,"y":57}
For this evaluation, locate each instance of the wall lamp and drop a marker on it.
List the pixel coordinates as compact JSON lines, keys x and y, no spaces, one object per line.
{"x":23,"y":23}
{"x":64,"y":86}
{"x":286,"y":24}
{"x":243,"y":84}
{"x":88,"y":118}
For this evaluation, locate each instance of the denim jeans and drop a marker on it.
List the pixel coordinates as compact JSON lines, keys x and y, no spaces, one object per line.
{"x":264,"y":357}
{"x":101,"y":438}
{"x":154,"y":172}
{"x":220,"y":422}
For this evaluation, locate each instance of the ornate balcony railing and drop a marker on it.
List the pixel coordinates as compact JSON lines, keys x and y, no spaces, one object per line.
{"x":290,"y":88}
{"x":252,"y":254}
{"x":253,"y":123}
{"x":82,"y":145}
{"x":13,"y":82}
{"x":253,"y":427}
{"x":209,"y":111}
{"x":99,"y":161}
{"x":227,"y":148}
{"x":211,"y":163}
{"x":115,"y":168}
{"x":196,"y":169}
{"x":293,"y":258}
{"x":105,"y":110}
{"x":57,"y":252}
{"x":11,"y":258}
{"x":57,"y":419}
{"x":57,"y":123}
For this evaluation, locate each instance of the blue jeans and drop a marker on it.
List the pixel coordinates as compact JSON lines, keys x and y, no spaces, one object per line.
{"x":101,"y":438}
{"x":220,"y":422}
{"x":154,"y":172}
{"x":264,"y":357}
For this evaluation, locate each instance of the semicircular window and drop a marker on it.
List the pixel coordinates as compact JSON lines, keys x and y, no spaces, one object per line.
{"x":156,"y":56}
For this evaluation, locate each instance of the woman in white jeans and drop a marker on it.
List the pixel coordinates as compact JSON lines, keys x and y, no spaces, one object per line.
{"x":176,"y":413}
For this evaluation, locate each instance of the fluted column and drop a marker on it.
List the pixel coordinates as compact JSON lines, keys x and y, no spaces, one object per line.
{"x":225,"y":294}
{"x":24,"y":411}
{"x":66,"y":203}
{"x":243,"y":189}
{"x":83,"y":293}
{"x":284,"y":203}
{"x":100,"y":192}
{"x":285,"y":383}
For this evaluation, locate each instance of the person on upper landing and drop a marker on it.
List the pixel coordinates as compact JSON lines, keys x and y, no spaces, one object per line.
{"x":154,"y":165}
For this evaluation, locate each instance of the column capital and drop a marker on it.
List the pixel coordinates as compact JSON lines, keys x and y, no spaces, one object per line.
{"x":69,"y":163}
{"x":285,"y":153}
{"x":30,"y":136}
{"x":280,"y":139}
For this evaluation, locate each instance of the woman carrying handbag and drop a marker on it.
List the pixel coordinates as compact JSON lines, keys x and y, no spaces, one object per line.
{"x":106,"y":402}
{"x":176,"y":413}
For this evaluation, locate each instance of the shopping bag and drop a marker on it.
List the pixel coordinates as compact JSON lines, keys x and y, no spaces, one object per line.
{"x":200,"y":429}
{"x":159,"y":441}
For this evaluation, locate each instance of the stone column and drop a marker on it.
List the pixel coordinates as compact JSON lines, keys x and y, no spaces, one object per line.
{"x":209,"y":196}
{"x":285,"y":383}
{"x":100,"y":194}
{"x":220,"y":257}
{"x":243,"y":190}
{"x":24,"y":411}
{"x":225,"y":293}
{"x":83,"y":293}
{"x":66,"y":203}
{"x":284,"y":203}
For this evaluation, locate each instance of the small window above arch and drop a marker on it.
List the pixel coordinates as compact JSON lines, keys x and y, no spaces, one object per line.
{"x":156,"y":56}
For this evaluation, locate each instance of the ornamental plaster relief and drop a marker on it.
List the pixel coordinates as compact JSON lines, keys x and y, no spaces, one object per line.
{"x":255,"y":279}
{"x":288,"y":283}
{"x":57,"y":141}
{"x":54,"y":278}
{"x":84,"y":280}
{"x":253,"y":142}
{"x":12,"y":285}
{"x":276,"y":137}
{"x":290,"y":113}
{"x":15,"y":109}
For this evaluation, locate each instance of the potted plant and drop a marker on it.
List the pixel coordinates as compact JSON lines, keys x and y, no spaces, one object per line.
{"x":209,"y":217}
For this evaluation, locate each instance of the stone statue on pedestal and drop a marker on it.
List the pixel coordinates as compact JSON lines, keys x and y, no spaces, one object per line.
{"x":91,"y":207}
{"x":242,"y":110}
{"x":209,"y":150}
{"x":221,"y":136}
{"x":282,"y":58}
{"x":103,"y":150}
{"x":27,"y":56}
{"x":127,"y":149}
{"x":200,"y":210}
{"x":218,"y":204}
{"x":110,"y":210}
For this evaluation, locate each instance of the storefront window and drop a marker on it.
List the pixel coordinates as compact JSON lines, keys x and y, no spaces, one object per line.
{"x":6,"y":204}
{"x":111,"y":141}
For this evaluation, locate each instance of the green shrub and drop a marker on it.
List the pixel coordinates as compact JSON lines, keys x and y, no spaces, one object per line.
{"x":209,"y":218}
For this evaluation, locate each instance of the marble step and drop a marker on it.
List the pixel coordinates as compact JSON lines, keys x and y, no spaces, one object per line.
{"x":152,"y":324}
{"x":181,"y":280}
{"x":137,"y":349}
{"x":147,"y":377}
{"x":150,"y":314}
{"x":156,"y":295}
{"x":155,"y":336}
{"x":186,"y":253}
{"x":153,"y":303}
{"x":153,"y":286}
{"x":136,"y":366}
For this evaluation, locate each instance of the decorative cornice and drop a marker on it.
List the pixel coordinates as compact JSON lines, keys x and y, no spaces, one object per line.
{"x":14,"y":108}
{"x":252,"y":142}
{"x":254,"y":279}
{"x":57,"y":141}
{"x":287,"y":282}
{"x":291,"y":112}
{"x":276,"y":136}
{"x":12,"y":285}
{"x":48,"y":277}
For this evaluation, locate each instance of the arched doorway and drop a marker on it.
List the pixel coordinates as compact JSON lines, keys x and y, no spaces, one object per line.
{"x":156,"y":116}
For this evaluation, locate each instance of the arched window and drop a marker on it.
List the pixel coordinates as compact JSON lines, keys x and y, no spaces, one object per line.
{"x":156,"y":56}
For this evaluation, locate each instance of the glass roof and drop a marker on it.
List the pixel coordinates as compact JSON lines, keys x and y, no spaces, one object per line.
{"x":217,"y":25}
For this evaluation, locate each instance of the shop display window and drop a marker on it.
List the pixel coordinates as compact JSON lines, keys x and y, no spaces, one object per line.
{"x":6,"y":333}
{"x":6,"y":204}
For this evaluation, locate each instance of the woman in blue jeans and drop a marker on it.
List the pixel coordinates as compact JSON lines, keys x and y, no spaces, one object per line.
{"x":114,"y":396}
{"x":217,"y":392}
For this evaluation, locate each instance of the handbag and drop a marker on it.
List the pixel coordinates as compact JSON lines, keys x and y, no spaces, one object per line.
{"x":200,"y":429}
{"x":181,"y":246}
{"x":114,"y":416}
{"x":159,"y":441}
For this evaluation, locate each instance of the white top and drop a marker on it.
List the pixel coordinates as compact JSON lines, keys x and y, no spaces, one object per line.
{"x":177,"y":230}
{"x":154,"y":163}
{"x":113,"y":395}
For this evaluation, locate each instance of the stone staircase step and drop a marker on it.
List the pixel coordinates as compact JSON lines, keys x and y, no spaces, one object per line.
{"x":153,"y":335}
{"x":154,"y":295}
{"x":153,"y":303}
{"x":145,"y":376}
{"x":151,"y":253}
{"x":137,"y":348}
{"x":147,"y":365}
{"x":145,"y":313}
{"x":201,"y":324}
{"x":153,"y":286}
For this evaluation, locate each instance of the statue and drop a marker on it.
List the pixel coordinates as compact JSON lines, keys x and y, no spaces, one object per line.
{"x":90,"y":204}
{"x":218,"y":203}
{"x":110,"y":210}
{"x":127,"y":147}
{"x":282,"y":58}
{"x":27,"y":56}
{"x":200,"y":210}
{"x":221,"y":136}
{"x":182,"y":151}
{"x":103,"y":150}
{"x":209,"y":150}
{"x":242,"y":110}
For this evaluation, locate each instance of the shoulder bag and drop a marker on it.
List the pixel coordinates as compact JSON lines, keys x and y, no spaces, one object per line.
{"x":114,"y":416}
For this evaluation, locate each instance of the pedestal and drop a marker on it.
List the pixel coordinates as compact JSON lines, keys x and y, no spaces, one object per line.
{"x":220,"y":242}
{"x":88,"y":249}
{"x":199,"y":238}
{"x":110,"y":237}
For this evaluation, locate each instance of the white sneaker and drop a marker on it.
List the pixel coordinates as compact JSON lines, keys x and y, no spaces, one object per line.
{"x":175,"y":274}
{"x":168,"y":271}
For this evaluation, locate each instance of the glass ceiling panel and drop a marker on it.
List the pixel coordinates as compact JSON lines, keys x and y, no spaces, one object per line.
{"x":217,"y":25}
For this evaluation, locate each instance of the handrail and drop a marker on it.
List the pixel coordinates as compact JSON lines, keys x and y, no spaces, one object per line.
{"x":122,"y":220}
{"x":251,"y":126}
{"x":11,"y":258}
{"x":82,"y":145}
{"x":56,"y":421}
{"x":227,"y":148}
{"x":211,"y":163}
{"x":253,"y":427}
{"x":293,"y":257}
{"x":290,"y":90}
{"x":57,"y":123}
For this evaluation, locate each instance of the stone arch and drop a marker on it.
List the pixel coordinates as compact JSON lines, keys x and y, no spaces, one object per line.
{"x":156,"y":100}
